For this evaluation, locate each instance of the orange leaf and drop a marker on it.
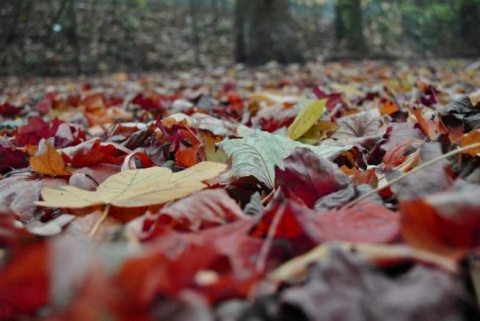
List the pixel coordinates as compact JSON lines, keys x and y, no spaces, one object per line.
{"x":425,"y":227}
{"x":48,"y":161}
{"x":388,"y":107}
{"x":471,"y":138}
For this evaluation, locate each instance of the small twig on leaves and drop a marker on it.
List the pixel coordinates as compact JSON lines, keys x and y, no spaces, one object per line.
{"x":413,"y":171}
{"x":268,"y":197}
{"x":97,"y":225}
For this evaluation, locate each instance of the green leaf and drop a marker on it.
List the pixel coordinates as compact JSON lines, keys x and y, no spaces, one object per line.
{"x":258,"y":153}
{"x":309,"y":112}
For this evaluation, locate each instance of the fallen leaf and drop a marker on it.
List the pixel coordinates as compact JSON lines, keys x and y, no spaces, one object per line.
{"x":309,"y":176}
{"x":380,"y":255}
{"x":258,"y":153}
{"x":134,"y":188}
{"x":445,"y":223}
{"x":47,"y":160}
{"x":429,"y":180}
{"x":200,"y":210}
{"x":25,"y":282}
{"x":472,"y":137}
{"x":309,"y":113}
{"x":360,"y":127}
{"x":11,"y":158}
{"x":343,"y":286}
{"x":18,"y":194}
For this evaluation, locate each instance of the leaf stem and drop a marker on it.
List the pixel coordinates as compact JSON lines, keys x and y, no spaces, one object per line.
{"x":97,"y":225}
{"x":413,"y":171}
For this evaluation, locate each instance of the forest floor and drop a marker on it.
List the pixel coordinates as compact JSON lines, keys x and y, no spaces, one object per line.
{"x":348,"y":190}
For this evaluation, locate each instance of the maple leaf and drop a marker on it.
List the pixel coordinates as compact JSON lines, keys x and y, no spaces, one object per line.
{"x":258,"y":153}
{"x":47,"y":160}
{"x":309,"y":112}
{"x":134,"y":188}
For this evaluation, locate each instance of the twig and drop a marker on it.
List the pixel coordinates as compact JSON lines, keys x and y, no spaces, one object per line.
{"x":97,"y":225}
{"x":413,"y":171}
{"x":268,"y":197}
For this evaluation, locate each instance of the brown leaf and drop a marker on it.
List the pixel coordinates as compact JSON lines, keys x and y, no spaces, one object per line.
{"x":359,"y":127}
{"x":429,"y":180}
{"x":343,"y":287}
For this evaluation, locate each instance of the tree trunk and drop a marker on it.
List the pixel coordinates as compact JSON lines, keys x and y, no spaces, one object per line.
{"x":349,"y":25}
{"x":264,"y":32}
{"x":469,"y":16}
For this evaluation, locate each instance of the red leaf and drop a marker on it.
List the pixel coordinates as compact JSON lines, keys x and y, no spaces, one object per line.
{"x":187,"y":157}
{"x":93,"y":152}
{"x":309,"y":176}
{"x":8,"y":110}
{"x":201,"y":210}
{"x":24,"y":282}
{"x":446,"y":223}
{"x":178,"y":261}
{"x":32,"y":132}
{"x":11,"y":158}
{"x":367,"y":222}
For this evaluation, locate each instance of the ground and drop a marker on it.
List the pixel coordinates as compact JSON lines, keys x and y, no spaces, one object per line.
{"x":345,"y":189}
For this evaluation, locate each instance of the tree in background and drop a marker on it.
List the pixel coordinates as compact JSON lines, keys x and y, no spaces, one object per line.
{"x":349,"y":26}
{"x":469,"y":20}
{"x":264,"y":31}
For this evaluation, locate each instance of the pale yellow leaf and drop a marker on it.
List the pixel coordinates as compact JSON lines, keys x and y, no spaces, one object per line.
{"x":135,"y":188}
{"x":347,"y":90}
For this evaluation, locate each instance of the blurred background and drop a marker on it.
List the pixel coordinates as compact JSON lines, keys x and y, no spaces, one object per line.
{"x":71,"y":37}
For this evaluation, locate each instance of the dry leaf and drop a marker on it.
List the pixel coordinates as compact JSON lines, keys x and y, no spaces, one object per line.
{"x":135,"y":188}
{"x":48,"y":161}
{"x":471,"y":138}
{"x":309,"y":112}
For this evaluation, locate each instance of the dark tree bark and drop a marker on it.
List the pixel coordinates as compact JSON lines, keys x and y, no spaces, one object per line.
{"x":349,"y":26}
{"x":264,"y":31}
{"x":469,"y":23}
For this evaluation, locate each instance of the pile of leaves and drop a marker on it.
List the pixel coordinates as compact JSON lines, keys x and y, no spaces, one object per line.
{"x":331,"y":192}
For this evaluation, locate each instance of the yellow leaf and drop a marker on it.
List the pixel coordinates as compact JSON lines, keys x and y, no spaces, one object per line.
{"x":48,"y":161}
{"x":309,"y":112}
{"x":135,"y":188}
{"x":212,"y":152}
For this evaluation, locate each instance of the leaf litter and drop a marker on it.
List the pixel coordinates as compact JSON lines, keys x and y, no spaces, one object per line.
{"x":332,"y":191}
